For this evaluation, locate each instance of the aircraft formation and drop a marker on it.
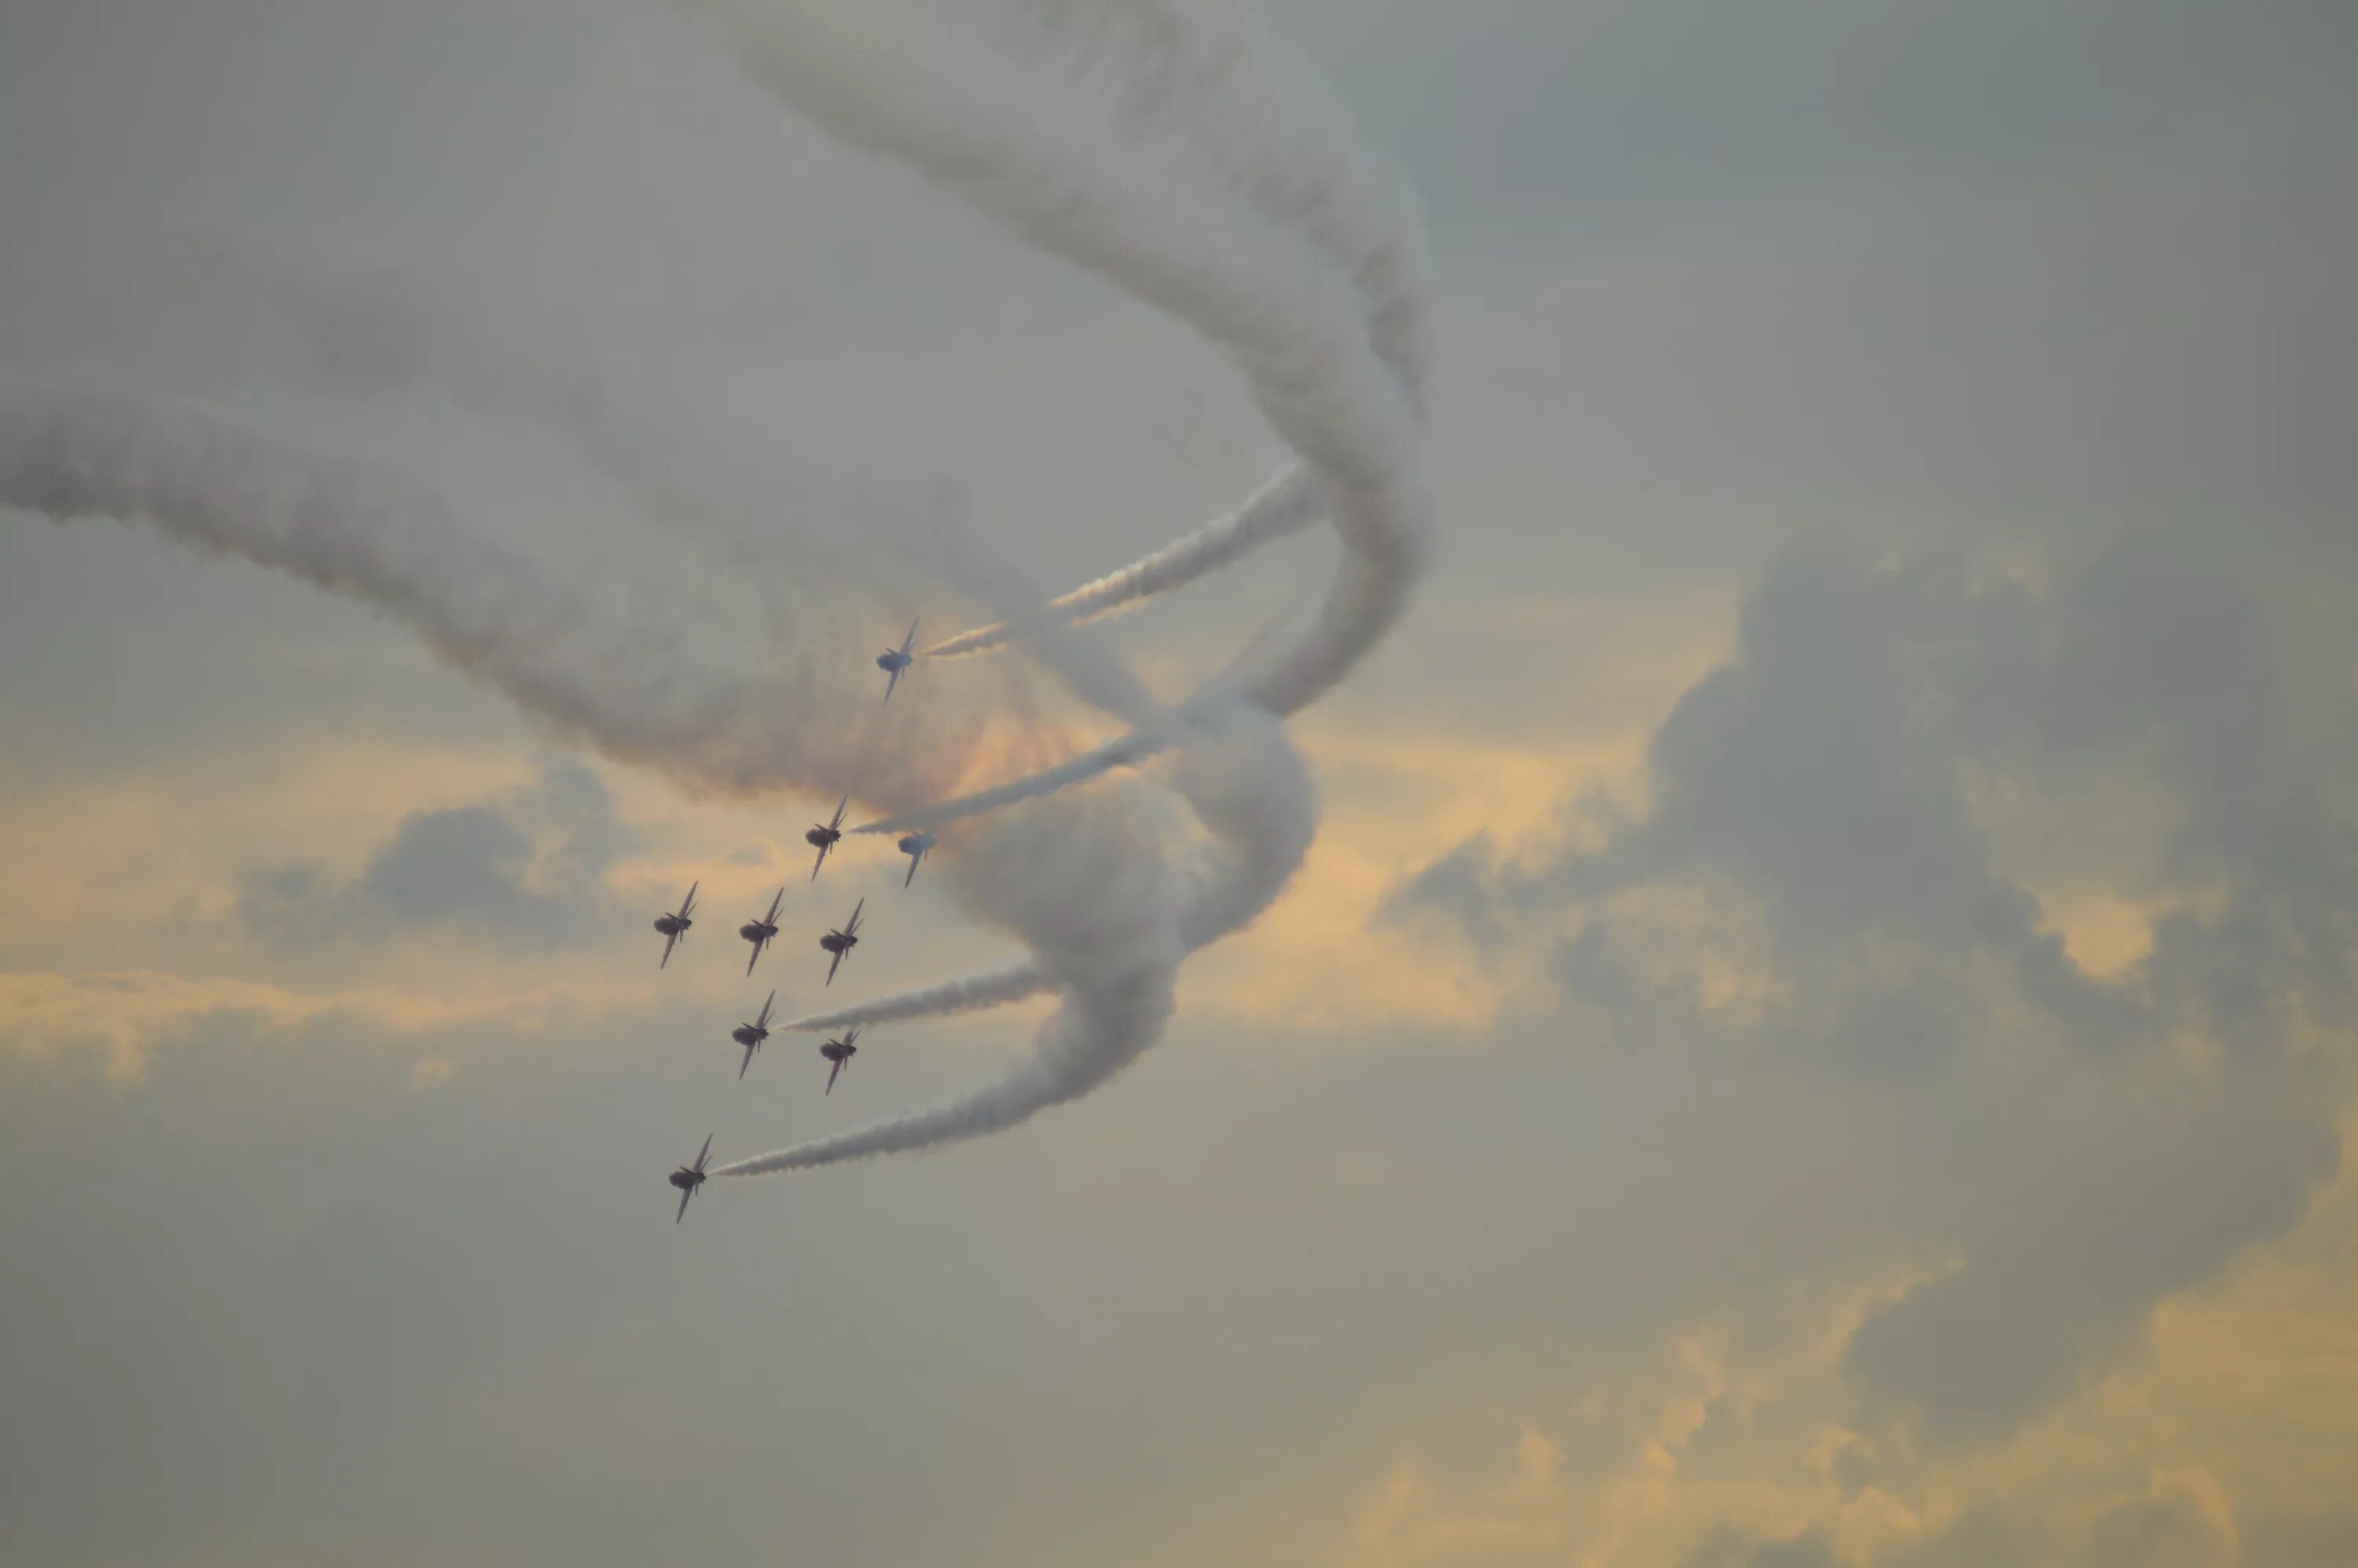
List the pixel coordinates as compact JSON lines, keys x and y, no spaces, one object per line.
{"x":838,"y":943}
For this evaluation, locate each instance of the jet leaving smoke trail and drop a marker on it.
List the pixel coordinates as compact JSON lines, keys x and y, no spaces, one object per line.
{"x":977,"y":121}
{"x":1360,"y":220}
{"x":1103,"y":928}
{"x":1261,"y":809}
{"x":1131,"y":142}
{"x":1284,"y":506}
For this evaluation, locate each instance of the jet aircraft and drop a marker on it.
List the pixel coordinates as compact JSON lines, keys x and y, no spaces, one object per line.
{"x":674,"y":926}
{"x":762,"y":932}
{"x":842,"y":940}
{"x":687,"y":1178}
{"x":825,"y":834}
{"x":751,"y":1035}
{"x":838,"y":1051}
{"x":915,"y":846}
{"x":892,"y":661}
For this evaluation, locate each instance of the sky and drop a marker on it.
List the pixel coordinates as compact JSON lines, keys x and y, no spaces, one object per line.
{"x":1817,"y":1028}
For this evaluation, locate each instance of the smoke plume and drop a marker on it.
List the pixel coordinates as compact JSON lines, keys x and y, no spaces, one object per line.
{"x":1171,"y":148}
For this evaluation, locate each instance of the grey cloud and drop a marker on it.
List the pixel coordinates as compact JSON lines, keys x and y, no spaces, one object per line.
{"x":1736,"y":1551}
{"x":2066,"y":1248}
{"x":1823,"y":782}
{"x":525,"y":868}
{"x":2166,"y":1529}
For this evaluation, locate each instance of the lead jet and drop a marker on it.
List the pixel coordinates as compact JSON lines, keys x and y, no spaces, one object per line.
{"x":762,"y":932}
{"x":842,"y":940}
{"x":838,"y":1051}
{"x":915,"y":846}
{"x":825,"y":834}
{"x":751,"y":1035}
{"x":892,"y":661}
{"x":687,"y":1178}
{"x":674,"y":926}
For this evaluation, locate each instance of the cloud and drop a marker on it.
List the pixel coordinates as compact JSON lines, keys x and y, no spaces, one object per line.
{"x":128,"y":1015}
{"x":1838,"y":861}
{"x":2183,"y":1521}
{"x":526,"y":867}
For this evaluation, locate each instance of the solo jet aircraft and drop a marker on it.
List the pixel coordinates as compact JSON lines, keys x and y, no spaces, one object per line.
{"x":842,"y":940}
{"x":762,"y":932}
{"x":751,"y":1035}
{"x":892,"y":661}
{"x":838,"y":1051}
{"x":825,"y":834}
{"x":674,"y":926}
{"x":915,"y":846}
{"x":687,"y":1178}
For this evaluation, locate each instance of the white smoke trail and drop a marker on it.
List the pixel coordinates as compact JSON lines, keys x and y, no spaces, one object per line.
{"x":630,"y":677}
{"x":1012,"y":982}
{"x":1284,"y":506}
{"x":1103,"y":927}
{"x":1134,"y":140}
{"x":1308,"y":174}
{"x":1256,"y":800}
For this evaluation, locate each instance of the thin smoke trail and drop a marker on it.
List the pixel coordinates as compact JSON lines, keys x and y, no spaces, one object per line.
{"x":1012,"y":982}
{"x":1164,"y":213}
{"x":1283,"y":507}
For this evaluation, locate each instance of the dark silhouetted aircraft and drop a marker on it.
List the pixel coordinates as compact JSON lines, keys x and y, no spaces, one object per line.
{"x":838,"y":1051}
{"x":687,"y":1178}
{"x":842,"y":940}
{"x":751,"y":1035}
{"x":763,"y":931}
{"x":824,"y":835}
{"x":674,"y":926}
{"x":892,"y":661}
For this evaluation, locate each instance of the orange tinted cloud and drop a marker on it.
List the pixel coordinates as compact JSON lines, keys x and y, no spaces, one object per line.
{"x":126,"y":1014}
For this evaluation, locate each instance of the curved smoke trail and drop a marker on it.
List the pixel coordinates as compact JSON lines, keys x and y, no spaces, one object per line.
{"x":1170,"y":148}
{"x":1105,"y":939}
{"x":1136,"y":142}
{"x":627,"y":676}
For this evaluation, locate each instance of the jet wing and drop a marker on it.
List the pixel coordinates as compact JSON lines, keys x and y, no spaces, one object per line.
{"x":757,"y":955}
{"x":747,"y":1063}
{"x":911,"y":639}
{"x":833,"y":965}
{"x":820,"y":862}
{"x":831,"y":1073}
{"x":685,"y":1193}
{"x":670,"y":941}
{"x":891,"y":681}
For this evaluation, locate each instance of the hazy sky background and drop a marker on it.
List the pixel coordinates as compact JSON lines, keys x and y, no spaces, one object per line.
{"x":1818,"y":1029}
